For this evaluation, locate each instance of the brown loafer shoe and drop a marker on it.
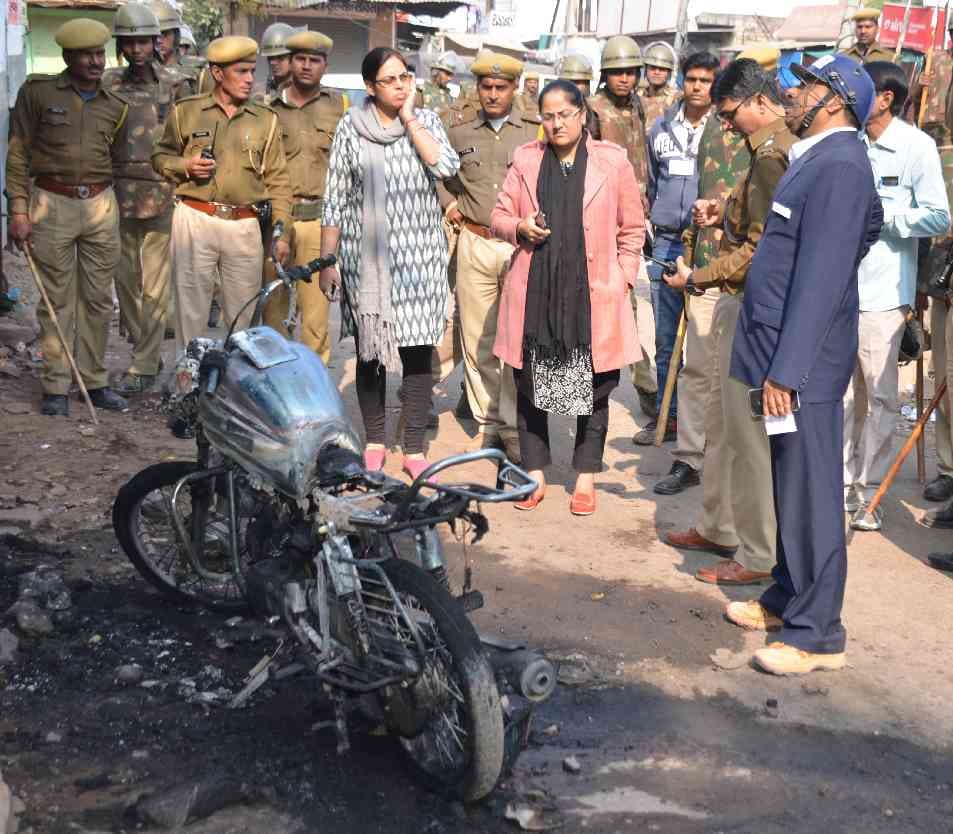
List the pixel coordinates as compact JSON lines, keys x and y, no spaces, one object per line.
{"x":693,"y":540}
{"x":582,"y":503}
{"x":731,"y":572}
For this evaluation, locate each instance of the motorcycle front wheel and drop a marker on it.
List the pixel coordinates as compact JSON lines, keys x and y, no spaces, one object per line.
{"x":142,"y":521}
{"x":457,"y":741}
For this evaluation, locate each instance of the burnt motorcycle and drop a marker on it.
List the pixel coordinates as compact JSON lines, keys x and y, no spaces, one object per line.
{"x":278,"y":515}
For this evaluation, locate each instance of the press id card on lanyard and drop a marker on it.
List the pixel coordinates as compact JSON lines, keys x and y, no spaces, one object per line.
{"x":681,"y":167}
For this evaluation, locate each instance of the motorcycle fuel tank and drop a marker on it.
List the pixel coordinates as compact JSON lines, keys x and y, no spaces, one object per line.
{"x":274,"y":410}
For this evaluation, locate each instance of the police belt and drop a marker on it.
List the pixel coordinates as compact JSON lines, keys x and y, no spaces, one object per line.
{"x":222,"y":211}
{"x":667,"y":230}
{"x":478,"y":229}
{"x":307,"y":208}
{"x":77,"y":192}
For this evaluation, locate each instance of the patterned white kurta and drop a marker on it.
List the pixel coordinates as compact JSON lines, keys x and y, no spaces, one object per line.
{"x":417,"y":245}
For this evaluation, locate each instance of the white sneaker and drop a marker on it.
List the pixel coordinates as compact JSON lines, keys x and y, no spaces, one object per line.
{"x":867,"y":522}
{"x":853,"y":500}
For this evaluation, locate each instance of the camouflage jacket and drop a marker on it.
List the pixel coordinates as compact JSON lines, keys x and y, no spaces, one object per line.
{"x":745,"y":211}
{"x":937,"y":117}
{"x":626,"y":127}
{"x":723,"y":158}
{"x":140,"y":191}
{"x":434,"y":97}
{"x":655,"y":105}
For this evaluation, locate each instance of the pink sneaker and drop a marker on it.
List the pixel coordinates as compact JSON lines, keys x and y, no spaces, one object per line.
{"x":414,"y":466}
{"x":374,"y":458}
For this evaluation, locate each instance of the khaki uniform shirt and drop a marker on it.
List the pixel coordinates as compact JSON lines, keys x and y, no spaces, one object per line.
{"x":528,"y":103}
{"x":140,"y":191}
{"x":485,"y":157}
{"x":875,"y":52}
{"x":656,"y":103}
{"x":250,"y":160}
{"x":745,"y":211}
{"x":55,"y":133}
{"x":626,"y":127}
{"x":306,"y":133}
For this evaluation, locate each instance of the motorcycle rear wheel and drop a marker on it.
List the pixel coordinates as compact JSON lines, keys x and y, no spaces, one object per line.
{"x":459,"y":749}
{"x":143,"y":525}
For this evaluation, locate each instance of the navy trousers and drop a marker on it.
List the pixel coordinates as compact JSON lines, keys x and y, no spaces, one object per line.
{"x":811,"y":570}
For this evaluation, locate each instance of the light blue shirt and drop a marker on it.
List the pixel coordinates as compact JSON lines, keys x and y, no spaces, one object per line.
{"x":909,"y":179}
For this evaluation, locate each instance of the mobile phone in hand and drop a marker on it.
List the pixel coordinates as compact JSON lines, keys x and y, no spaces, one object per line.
{"x":756,"y":402}
{"x":540,"y":220}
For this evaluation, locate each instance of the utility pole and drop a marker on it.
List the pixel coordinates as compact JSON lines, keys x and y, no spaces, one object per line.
{"x":681,"y":26}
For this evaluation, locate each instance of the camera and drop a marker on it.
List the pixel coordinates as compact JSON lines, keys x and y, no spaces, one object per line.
{"x":938,"y":284}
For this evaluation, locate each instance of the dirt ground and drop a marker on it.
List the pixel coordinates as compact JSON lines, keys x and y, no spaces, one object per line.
{"x":666,"y":739}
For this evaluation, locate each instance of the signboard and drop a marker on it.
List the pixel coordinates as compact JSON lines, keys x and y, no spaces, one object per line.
{"x":918,"y":31}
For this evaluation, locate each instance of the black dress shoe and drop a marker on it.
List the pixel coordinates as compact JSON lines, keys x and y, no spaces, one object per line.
{"x":214,"y":314}
{"x":941,"y":519}
{"x":463,"y":410}
{"x":679,"y":479}
{"x":108,"y":400}
{"x":55,"y":405}
{"x":939,"y":489}
{"x":941,"y":561}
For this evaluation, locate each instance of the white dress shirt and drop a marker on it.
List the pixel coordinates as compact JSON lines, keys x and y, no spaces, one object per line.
{"x":798,"y":149}
{"x":909,"y":179}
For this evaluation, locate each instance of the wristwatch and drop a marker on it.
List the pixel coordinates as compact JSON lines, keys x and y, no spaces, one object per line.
{"x":690,"y":287}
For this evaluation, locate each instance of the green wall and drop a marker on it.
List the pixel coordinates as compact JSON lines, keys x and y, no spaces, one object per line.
{"x":43,"y":53}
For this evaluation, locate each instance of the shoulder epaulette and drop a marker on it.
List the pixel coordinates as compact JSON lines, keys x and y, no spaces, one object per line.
{"x":39,"y":76}
{"x":193,"y":97}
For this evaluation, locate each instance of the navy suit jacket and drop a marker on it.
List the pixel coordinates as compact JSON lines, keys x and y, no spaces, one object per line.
{"x":798,"y":323}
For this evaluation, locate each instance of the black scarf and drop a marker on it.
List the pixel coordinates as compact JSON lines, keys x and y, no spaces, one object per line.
{"x":558,"y":316}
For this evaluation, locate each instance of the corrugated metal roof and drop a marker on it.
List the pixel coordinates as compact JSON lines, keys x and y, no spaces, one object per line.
{"x":76,"y":4}
{"x":812,"y":24}
{"x":433,"y":7}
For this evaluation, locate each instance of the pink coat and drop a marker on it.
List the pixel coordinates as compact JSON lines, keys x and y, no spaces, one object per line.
{"x":614,"y":232}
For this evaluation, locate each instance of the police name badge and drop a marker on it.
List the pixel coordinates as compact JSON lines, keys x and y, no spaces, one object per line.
{"x":681,"y":167}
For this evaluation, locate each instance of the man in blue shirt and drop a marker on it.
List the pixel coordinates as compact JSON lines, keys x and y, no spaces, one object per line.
{"x":796,"y":341}
{"x":672,"y":191}
{"x":909,"y":180}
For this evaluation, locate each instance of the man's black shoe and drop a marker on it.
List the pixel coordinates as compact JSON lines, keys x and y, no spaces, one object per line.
{"x":214,"y":314}
{"x":939,"y":489}
{"x":108,"y":400}
{"x":679,"y":479}
{"x":941,"y":519}
{"x":55,"y":405}
{"x":941,"y":561}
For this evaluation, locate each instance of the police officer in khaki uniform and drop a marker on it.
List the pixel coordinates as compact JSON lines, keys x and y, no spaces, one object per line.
{"x":658,"y":93}
{"x":619,"y":118}
{"x":528,"y":100}
{"x":867,"y":48}
{"x":738,"y":508}
{"x":225,"y":154}
{"x":485,"y":145}
{"x":62,"y":206}
{"x":308,"y":115}
{"x":143,"y":280}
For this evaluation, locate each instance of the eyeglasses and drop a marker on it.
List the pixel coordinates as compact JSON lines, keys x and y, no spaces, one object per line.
{"x":728,"y":116}
{"x":394,"y":80}
{"x":565,"y":116}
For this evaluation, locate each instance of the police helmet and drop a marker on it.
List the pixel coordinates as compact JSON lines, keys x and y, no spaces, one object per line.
{"x":659,"y":55}
{"x":574,"y":67}
{"x":273,"y":40}
{"x":621,"y":52}
{"x":135,"y":20}
{"x":846,"y":79}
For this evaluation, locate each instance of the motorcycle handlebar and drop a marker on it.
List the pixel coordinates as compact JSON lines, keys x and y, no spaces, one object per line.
{"x":305,"y":271}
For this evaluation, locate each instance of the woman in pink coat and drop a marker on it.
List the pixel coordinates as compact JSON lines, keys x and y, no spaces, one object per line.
{"x":571,"y":205}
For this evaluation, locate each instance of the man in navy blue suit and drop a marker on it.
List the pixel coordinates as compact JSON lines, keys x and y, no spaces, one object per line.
{"x":797,"y":340}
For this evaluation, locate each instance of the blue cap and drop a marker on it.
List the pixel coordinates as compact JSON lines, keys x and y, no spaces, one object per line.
{"x":846,"y":78}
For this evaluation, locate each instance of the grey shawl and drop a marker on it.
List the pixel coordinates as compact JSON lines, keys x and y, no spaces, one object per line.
{"x":375,"y":320}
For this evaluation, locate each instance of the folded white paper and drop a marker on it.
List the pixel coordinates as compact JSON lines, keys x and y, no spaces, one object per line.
{"x":779,"y":425}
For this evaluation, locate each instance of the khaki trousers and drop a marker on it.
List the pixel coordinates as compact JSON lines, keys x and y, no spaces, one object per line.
{"x":738,"y":497}
{"x":696,"y":378}
{"x":941,"y":331}
{"x":312,"y":304}
{"x":144,"y":286}
{"x":205,"y":249}
{"x":871,"y":403}
{"x":481,"y":265}
{"x":76,"y":249}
